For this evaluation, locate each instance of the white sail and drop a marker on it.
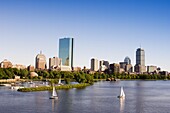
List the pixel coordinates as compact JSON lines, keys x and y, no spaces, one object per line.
{"x":54,"y":92}
{"x":122,"y":94}
{"x":59,"y":82}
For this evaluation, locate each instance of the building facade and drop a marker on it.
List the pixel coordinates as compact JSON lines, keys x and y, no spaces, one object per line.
{"x":40,"y":61}
{"x":151,"y":69}
{"x":54,"y":62}
{"x":30,"y":68}
{"x":127,"y":60}
{"x":140,"y":57}
{"x":6,"y":64}
{"x":103,"y":65}
{"x":94,"y":65}
{"x":66,"y":51}
{"x":122,"y":65}
{"x":115,"y":68}
{"x":129,"y":68}
{"x":19,"y":66}
{"x":140,"y":61}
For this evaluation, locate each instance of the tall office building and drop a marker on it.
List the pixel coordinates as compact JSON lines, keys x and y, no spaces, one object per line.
{"x":54,"y":62}
{"x":94,"y":65}
{"x":66,"y":51}
{"x":140,"y":56}
{"x":40,"y":61}
{"x":140,"y":61}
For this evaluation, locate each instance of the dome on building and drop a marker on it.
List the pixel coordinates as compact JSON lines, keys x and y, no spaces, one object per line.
{"x":5,"y":61}
{"x":41,"y":56}
{"x":5,"y":64}
{"x":127,"y":60}
{"x":33,"y":74}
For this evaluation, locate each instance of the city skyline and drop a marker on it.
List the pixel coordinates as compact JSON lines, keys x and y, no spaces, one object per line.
{"x":107,"y":30}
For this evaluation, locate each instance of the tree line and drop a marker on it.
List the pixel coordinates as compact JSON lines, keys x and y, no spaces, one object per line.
{"x":80,"y":77}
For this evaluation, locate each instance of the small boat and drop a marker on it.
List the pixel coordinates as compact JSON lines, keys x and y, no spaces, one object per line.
{"x":54,"y":94}
{"x":122,"y":94}
{"x":59,"y":82}
{"x":16,"y":87}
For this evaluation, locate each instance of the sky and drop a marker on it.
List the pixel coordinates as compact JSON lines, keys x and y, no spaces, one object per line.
{"x":103,"y":29}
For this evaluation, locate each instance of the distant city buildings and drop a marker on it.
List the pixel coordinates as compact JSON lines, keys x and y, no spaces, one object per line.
{"x":19,"y":66}
{"x":30,"y":68}
{"x":103,"y":65}
{"x":6,"y":64}
{"x":54,"y":63}
{"x":126,"y":66}
{"x":127,"y":60}
{"x":151,"y":69}
{"x":65,"y":62}
{"x":129,"y":68}
{"x":122,"y":65}
{"x":66,"y":51}
{"x":77,"y":69}
{"x":140,"y":61}
{"x":40,"y":61}
{"x":94,"y":64}
{"x":115,"y":68}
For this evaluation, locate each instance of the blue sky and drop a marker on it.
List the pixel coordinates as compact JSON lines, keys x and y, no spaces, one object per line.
{"x":103,"y":29}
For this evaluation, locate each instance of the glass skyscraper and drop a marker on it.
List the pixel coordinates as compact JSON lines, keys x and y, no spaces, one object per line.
{"x":66,"y":51}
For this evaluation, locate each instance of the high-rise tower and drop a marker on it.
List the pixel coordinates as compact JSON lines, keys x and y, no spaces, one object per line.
{"x":66,"y":51}
{"x":94,"y":64}
{"x":140,"y":56}
{"x":140,"y":61}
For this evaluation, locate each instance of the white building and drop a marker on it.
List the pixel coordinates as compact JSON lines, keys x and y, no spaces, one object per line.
{"x":94,"y":65}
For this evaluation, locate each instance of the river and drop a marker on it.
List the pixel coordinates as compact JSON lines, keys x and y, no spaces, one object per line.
{"x":141,"y":97}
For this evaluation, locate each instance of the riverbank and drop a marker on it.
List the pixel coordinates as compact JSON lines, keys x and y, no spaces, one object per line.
{"x":45,"y":88}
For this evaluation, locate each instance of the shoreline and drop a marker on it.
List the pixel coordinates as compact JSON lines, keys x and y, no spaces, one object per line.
{"x":47,"y":88}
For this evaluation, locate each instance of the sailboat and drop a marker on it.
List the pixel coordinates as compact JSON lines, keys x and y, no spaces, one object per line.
{"x":122,"y":94}
{"x":54,"y":94}
{"x":59,"y":82}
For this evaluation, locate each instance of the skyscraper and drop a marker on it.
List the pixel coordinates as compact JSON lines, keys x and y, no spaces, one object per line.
{"x":66,"y":51}
{"x":140,"y":61}
{"x":40,"y":61}
{"x":94,"y":65}
{"x":140,"y":56}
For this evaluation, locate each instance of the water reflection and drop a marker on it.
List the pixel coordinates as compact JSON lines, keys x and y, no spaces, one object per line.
{"x":139,"y":96}
{"x":52,"y":104}
{"x":122,"y":104}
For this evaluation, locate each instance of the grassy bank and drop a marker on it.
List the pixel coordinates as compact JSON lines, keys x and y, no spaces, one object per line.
{"x":44,"y":88}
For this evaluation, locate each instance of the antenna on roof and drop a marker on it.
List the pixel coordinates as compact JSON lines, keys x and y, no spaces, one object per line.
{"x":41,"y":52}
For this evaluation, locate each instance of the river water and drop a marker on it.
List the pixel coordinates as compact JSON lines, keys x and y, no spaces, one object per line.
{"x":141,"y":97}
